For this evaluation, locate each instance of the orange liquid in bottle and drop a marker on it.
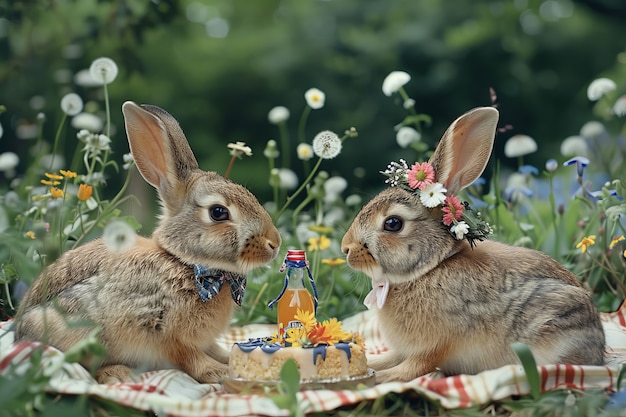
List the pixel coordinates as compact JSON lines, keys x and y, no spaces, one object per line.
{"x":292,"y":300}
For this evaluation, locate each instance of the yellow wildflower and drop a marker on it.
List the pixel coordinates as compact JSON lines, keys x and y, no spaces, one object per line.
{"x":586,"y":242}
{"x":334,"y":262}
{"x":67,"y":174}
{"x":333,"y":328}
{"x":296,"y":336}
{"x":84,"y":192}
{"x":306,"y":318}
{"x":54,"y":176}
{"x":615,"y":241}
{"x":30,"y":234}
{"x":56,"y":192}
{"x":50,"y":183}
{"x":318,"y":243}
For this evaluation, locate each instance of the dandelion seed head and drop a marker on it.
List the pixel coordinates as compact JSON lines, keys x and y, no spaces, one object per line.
{"x":103,"y":70}
{"x":71,"y":104}
{"x":118,"y":236}
{"x":326,"y":144}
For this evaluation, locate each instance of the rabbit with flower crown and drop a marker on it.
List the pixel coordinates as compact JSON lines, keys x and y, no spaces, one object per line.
{"x":447,"y":298}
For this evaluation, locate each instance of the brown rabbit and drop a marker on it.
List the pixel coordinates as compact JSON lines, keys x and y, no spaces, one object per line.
{"x":162,"y":302}
{"x":446,"y":304}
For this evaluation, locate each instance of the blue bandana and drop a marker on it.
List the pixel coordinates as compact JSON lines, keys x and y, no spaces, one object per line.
{"x":209,"y":283}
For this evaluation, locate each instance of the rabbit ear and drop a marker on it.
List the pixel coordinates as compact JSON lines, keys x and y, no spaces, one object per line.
{"x":158,"y":145}
{"x":465,"y":148}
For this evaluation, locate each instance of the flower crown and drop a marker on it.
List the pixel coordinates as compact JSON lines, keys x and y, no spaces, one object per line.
{"x":462,"y":220}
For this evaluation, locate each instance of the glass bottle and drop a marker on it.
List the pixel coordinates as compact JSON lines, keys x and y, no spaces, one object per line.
{"x":294,"y":295}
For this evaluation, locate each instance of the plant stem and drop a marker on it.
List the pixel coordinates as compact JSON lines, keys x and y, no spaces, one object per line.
{"x":299,"y":190}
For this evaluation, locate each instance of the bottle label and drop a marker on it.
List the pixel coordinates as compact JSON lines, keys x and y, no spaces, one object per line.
{"x":293,"y":324}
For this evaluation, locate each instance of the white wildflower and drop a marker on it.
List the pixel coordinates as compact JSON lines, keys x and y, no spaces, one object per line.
{"x":1,"y":130}
{"x":333,"y":187}
{"x":271,"y":150}
{"x":619,"y":108}
{"x":460,"y":229}
{"x":118,"y":236}
{"x":519,"y":145}
{"x":8,"y":163}
{"x":592,"y":129}
{"x":278,"y":115}
{"x":394,"y":81}
{"x":409,"y":103}
{"x":239,"y":148}
{"x":354,"y":200}
{"x":103,"y":70}
{"x":128,"y":160}
{"x":326,"y":144}
{"x":83,"y":78}
{"x":287,"y":179}
{"x":599,"y":87}
{"x":433,"y":195}
{"x":574,"y":145}
{"x":87,"y":121}
{"x":315,"y":98}
{"x":551,"y":165}
{"x":71,"y":104}
{"x":407,"y":135}
{"x":304,"y":151}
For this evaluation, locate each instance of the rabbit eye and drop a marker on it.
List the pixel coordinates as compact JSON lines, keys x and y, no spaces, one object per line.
{"x":393,"y":224}
{"x":219,"y":213}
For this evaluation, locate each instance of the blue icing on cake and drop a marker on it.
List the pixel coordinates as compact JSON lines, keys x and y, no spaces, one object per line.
{"x":252,"y":344}
{"x":319,"y":350}
{"x":345,"y":347}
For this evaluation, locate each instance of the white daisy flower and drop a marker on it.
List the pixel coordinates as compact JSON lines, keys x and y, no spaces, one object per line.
{"x":71,"y":104}
{"x":304,"y":151}
{"x":433,"y":195}
{"x":519,"y":145}
{"x":407,"y":135}
{"x":315,"y":98}
{"x":118,"y":236}
{"x":278,"y":115}
{"x":103,"y":70}
{"x":460,"y":229}
{"x":394,"y":81}
{"x":326,"y":144}
{"x":599,"y":87}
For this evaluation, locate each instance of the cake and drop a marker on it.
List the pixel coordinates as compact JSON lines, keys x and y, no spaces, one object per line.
{"x":322,"y":352}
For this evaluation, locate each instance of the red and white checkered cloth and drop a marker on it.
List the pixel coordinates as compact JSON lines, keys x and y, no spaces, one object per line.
{"x":174,"y":393}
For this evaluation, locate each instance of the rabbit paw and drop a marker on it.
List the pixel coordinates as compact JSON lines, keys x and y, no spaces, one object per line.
{"x":112,"y":374}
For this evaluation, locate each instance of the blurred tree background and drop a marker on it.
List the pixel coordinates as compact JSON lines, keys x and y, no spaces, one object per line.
{"x":219,"y":66}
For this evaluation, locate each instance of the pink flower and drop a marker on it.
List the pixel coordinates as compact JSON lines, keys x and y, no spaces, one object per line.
{"x":421,"y":175}
{"x":453,"y":210}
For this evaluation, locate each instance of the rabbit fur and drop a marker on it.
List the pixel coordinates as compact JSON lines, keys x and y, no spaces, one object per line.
{"x":458,"y":309}
{"x":144,"y":300}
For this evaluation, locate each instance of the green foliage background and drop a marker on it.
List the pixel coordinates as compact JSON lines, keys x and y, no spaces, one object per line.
{"x":539,"y":56}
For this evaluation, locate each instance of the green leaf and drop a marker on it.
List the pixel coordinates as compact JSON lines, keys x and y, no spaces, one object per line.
{"x":290,"y":377}
{"x":530,"y":368}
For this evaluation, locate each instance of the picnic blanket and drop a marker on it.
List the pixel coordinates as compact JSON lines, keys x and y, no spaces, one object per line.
{"x":175,"y":393}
